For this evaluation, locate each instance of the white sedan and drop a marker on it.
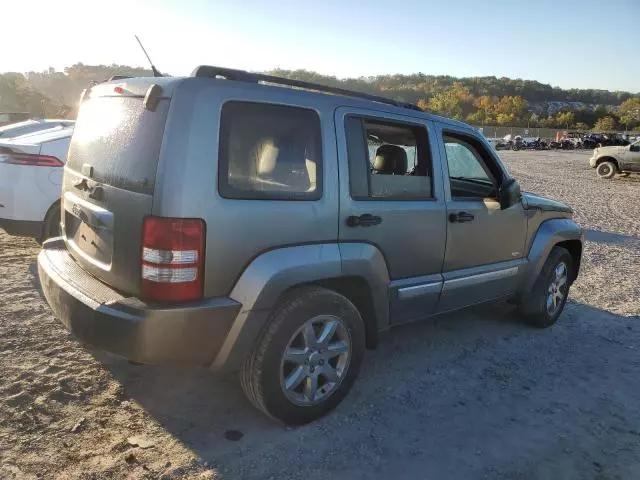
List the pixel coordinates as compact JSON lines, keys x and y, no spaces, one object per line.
{"x":32,"y":126}
{"x":30,"y":180}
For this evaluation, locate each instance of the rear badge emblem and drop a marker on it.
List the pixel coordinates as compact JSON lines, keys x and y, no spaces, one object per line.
{"x":77,"y":211}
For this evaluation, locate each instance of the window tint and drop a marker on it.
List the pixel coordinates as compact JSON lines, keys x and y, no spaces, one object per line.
{"x":270,"y":152}
{"x":396,"y":161}
{"x":469,"y":175}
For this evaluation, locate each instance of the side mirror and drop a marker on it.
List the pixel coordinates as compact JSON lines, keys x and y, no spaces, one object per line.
{"x":509,"y":194}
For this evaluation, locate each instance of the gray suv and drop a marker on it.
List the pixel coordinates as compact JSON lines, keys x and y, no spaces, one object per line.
{"x":246,"y":222}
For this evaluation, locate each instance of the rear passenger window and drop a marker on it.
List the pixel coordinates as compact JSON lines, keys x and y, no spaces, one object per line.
{"x":269,"y":152}
{"x":388,"y":160}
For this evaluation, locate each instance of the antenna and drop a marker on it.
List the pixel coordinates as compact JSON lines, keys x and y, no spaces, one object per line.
{"x":155,"y":71}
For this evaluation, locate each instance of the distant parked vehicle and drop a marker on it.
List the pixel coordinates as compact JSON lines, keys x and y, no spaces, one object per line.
{"x":518,"y":143}
{"x":12,"y":117}
{"x":609,"y":161}
{"x":591,"y":141}
{"x":564,"y":144}
{"x":617,"y":140}
{"x":594,"y":140}
{"x":30,"y":182}
{"x":32,"y":126}
{"x":535,"y":144}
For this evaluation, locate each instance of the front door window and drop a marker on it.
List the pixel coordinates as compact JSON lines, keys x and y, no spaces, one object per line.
{"x":469,"y":176}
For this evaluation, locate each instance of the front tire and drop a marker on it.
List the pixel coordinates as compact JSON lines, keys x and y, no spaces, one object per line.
{"x":606,"y":170}
{"x":549,"y":294}
{"x":308,"y":357}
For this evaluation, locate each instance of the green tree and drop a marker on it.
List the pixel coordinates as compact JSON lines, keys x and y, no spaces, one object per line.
{"x":564,"y":119}
{"x":600,"y":111}
{"x":605,"y":124}
{"x":422,"y":103}
{"x":484,"y":109}
{"x":477,"y":118}
{"x":510,"y":109}
{"x":582,"y":126}
{"x":629,"y":112}
{"x":548,"y":122}
{"x":454,"y":102}
{"x":17,"y":94}
{"x":505,"y":119}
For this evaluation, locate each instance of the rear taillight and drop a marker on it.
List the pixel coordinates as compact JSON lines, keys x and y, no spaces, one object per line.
{"x":30,"y":159}
{"x":172,"y":259}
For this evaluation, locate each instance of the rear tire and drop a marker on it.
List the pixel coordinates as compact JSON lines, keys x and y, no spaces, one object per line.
{"x":606,"y":170}
{"x":548,"y":296}
{"x":51,"y":227}
{"x":299,"y":327}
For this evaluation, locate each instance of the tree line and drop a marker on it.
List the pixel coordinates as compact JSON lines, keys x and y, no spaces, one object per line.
{"x":477,"y":100}
{"x":496,"y":101}
{"x":458,"y":102}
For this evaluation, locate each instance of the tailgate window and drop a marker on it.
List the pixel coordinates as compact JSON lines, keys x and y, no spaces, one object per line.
{"x":120,"y":139}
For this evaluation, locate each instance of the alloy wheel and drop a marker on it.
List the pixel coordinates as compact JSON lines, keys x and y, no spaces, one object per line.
{"x":558,"y":288}
{"x":315,"y":360}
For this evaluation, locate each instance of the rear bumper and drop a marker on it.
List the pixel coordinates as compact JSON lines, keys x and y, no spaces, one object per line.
{"x":103,"y":318}
{"x":21,"y":228}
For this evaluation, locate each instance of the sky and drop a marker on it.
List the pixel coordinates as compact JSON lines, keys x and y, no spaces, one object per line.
{"x":570,"y":44}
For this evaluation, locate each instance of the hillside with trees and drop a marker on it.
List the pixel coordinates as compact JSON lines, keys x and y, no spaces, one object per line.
{"x":495,"y":101}
{"x":477,"y":100}
{"x":52,"y":93}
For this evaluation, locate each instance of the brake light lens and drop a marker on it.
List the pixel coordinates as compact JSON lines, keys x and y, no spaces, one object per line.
{"x":30,"y":159}
{"x":172,"y":259}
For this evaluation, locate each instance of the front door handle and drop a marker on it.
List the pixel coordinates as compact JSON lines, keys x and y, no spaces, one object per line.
{"x":364,"y":220}
{"x":461,"y":217}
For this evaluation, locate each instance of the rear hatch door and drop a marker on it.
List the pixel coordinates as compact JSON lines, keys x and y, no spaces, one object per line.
{"x":109,"y":181}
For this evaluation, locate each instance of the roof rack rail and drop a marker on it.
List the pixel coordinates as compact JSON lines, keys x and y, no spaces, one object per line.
{"x":208,"y":71}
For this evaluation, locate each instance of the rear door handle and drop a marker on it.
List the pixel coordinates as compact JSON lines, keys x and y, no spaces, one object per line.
{"x":364,"y":220}
{"x":461,"y":217}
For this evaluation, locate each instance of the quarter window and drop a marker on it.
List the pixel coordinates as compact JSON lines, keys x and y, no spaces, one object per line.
{"x":269,"y":152}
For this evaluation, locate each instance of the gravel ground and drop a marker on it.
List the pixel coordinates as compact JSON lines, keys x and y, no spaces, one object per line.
{"x":470,"y":395}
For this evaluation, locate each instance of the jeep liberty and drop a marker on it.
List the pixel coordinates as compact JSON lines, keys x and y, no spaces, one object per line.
{"x":231,"y":221}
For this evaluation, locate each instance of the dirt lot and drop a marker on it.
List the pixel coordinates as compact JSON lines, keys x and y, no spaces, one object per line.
{"x":470,"y":395}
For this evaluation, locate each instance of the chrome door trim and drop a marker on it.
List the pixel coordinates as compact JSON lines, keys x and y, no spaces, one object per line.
{"x":470,"y":280}
{"x":419,"y":290}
